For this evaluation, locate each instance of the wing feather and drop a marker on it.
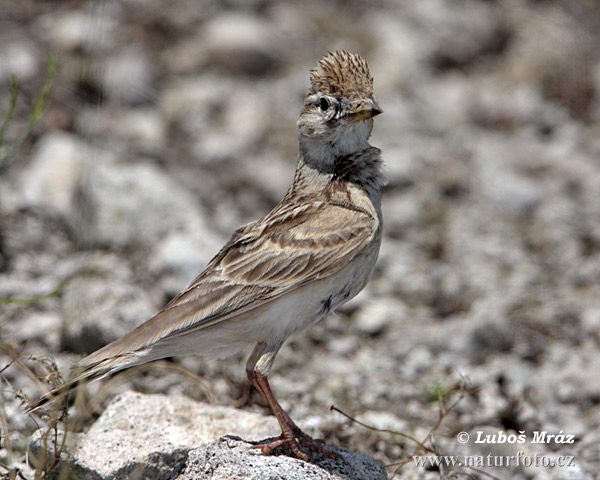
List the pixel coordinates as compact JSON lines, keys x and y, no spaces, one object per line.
{"x":292,"y":246}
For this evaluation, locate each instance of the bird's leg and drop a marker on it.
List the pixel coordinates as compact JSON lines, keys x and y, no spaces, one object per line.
{"x":257,"y":369}
{"x":291,"y":435}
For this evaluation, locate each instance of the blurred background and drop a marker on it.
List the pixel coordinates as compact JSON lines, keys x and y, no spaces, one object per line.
{"x":144,"y":132}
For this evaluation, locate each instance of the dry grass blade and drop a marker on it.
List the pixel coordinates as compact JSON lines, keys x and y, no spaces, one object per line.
{"x":109,"y":385}
{"x":382,"y":430}
{"x":52,"y":378}
{"x":52,"y":435}
{"x":421,"y":446}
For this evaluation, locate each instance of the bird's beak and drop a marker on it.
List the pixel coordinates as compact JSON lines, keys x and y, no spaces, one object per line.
{"x":365,"y":110}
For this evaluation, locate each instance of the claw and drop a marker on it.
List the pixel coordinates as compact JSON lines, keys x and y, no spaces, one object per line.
{"x":302,"y":445}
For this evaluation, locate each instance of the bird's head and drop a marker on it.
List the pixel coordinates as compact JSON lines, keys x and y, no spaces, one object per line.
{"x":339,"y":106}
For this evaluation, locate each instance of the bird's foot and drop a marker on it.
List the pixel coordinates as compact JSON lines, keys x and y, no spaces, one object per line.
{"x":302,"y":445}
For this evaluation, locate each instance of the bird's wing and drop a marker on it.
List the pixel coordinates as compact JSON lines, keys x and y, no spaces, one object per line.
{"x":296,"y":243}
{"x":293,"y":245}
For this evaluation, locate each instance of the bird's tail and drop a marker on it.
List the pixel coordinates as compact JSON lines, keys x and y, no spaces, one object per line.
{"x":137,"y":347}
{"x":81,"y":374}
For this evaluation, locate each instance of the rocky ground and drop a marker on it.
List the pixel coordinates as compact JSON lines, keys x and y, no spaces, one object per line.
{"x":168,"y":125}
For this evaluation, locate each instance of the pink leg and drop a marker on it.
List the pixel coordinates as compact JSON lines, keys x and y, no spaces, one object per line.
{"x":299,"y":442}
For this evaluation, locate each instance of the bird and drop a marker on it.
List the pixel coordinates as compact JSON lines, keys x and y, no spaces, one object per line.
{"x":278,"y":275}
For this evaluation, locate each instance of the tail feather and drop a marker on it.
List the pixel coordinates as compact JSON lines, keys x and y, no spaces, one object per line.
{"x":83,"y":373}
{"x":118,"y":355}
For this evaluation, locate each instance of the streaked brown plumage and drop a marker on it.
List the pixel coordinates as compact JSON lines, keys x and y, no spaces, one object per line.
{"x":279,"y":274}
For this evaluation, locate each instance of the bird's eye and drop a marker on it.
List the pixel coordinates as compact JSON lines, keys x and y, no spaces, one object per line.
{"x":324,"y":105}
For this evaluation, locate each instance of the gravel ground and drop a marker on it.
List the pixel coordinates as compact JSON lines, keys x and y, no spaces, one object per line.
{"x":170,"y":124}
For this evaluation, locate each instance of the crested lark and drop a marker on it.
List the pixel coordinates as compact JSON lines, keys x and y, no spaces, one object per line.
{"x":278,"y":275}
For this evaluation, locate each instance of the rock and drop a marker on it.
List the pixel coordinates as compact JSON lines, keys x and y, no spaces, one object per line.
{"x":588,"y":452}
{"x":548,"y":43}
{"x":125,"y":205}
{"x":240,"y":43}
{"x":397,"y":39}
{"x":224,"y":121}
{"x":570,"y":375}
{"x":151,"y":429}
{"x":590,"y":321}
{"x":237,"y":43}
{"x":158,"y":436}
{"x":490,"y":338}
{"x":446,"y":103}
{"x":102,"y":304}
{"x":128,"y":76}
{"x":384,"y":421}
{"x":376,"y":315}
{"x":44,"y":326}
{"x":19,"y":58}
{"x":78,"y":29}
{"x":177,"y":260}
{"x":189,"y":103}
{"x":227,"y":458}
{"x":143,"y":127}
{"x":53,"y":174}
{"x":458,"y":35}
{"x":240,"y":124}
{"x":507,"y":189}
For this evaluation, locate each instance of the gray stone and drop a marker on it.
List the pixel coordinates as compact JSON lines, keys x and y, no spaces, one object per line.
{"x":143,"y":127}
{"x":128,"y":76}
{"x":158,"y":436}
{"x":143,"y":433}
{"x":491,"y":338}
{"x":238,"y":127}
{"x":374,"y":316}
{"x":54,"y":172}
{"x":70,"y":30}
{"x":20,"y":58}
{"x":240,"y":42}
{"x":133,"y":205}
{"x":588,"y":453}
{"x":177,"y":259}
{"x":44,"y":326}
{"x":508,"y":190}
{"x":102,"y":304}
{"x":229,"y":458}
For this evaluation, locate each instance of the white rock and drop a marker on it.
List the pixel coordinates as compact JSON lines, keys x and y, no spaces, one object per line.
{"x":501,"y":183}
{"x":376,"y":314}
{"x":44,"y":326}
{"x":102,"y":304}
{"x":127,"y":77}
{"x":193,"y":105}
{"x":177,"y":259}
{"x":69,"y":30}
{"x":143,"y":127}
{"x":155,"y":436}
{"x":133,"y":205}
{"x":384,"y":421}
{"x":52,"y":176}
{"x":239,"y":127}
{"x":240,"y":42}
{"x":19,"y":58}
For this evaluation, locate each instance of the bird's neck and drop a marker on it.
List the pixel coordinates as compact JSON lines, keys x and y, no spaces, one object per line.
{"x":320,"y":163}
{"x":320,"y":151}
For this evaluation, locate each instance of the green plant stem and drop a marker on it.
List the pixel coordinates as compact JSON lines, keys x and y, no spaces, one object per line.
{"x":14,"y":94}
{"x":40,"y":105}
{"x":32,"y":300}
